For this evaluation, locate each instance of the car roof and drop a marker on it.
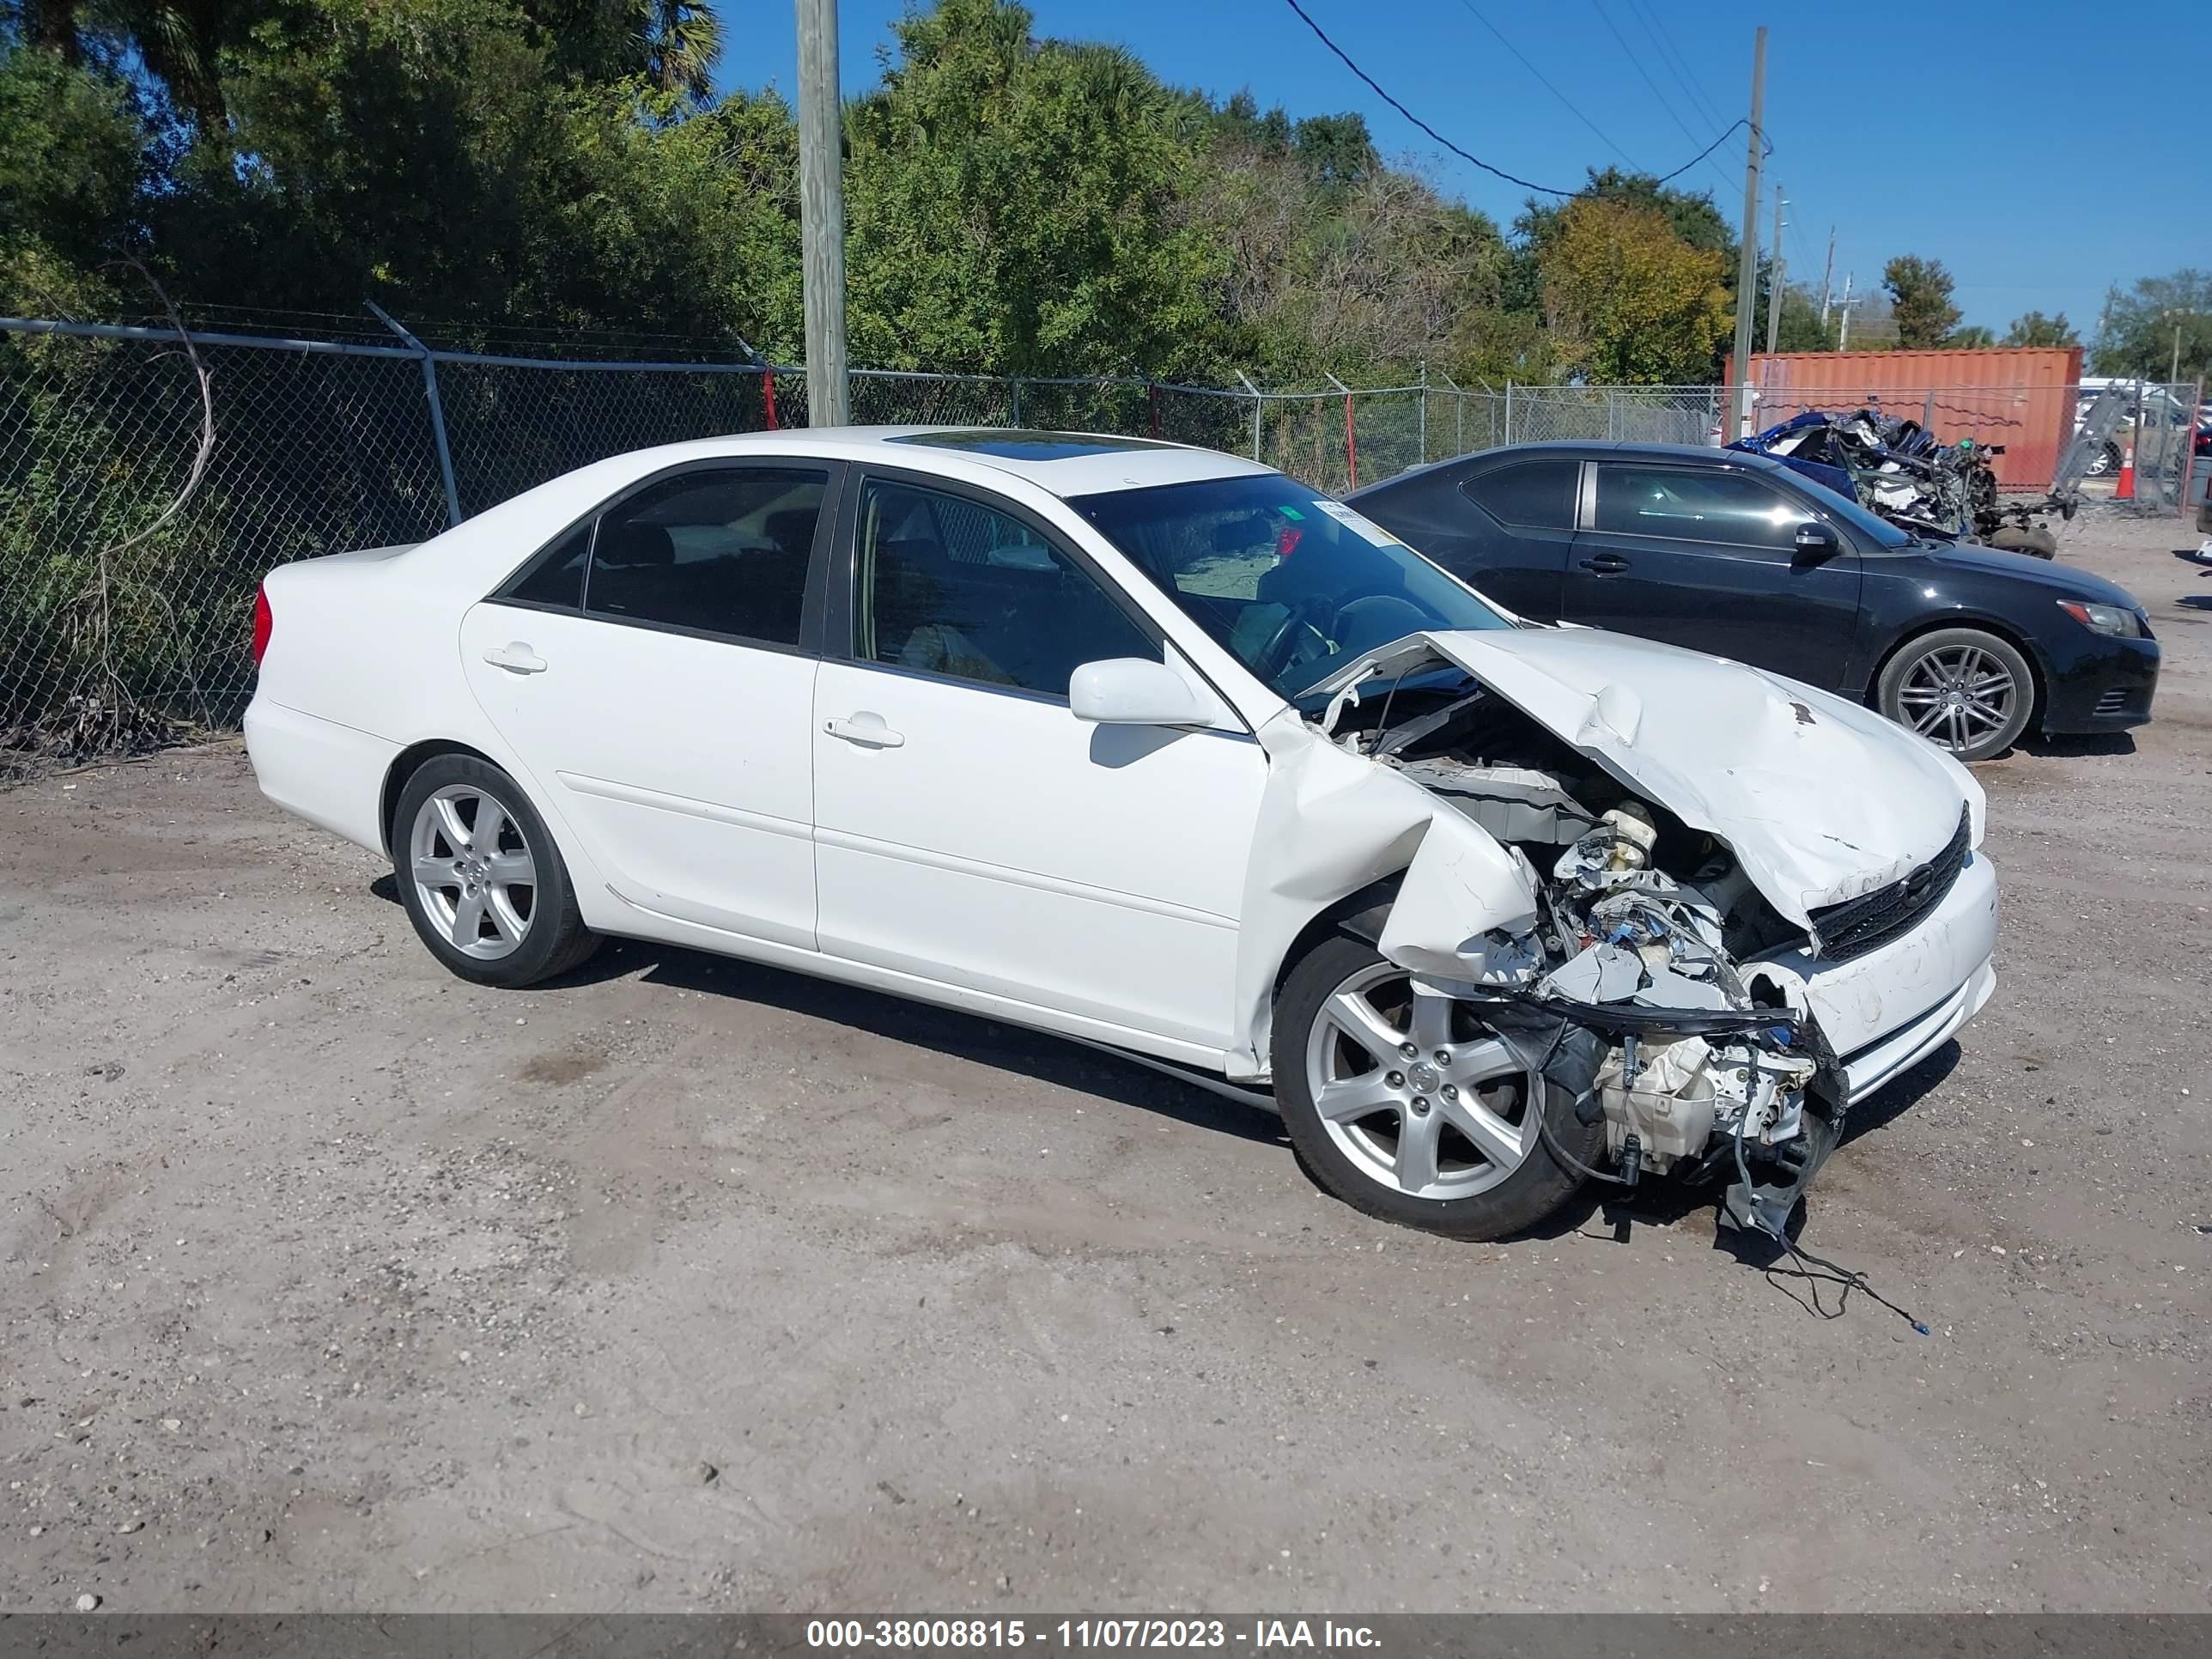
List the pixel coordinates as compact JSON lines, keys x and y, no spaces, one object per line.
{"x":1586,"y":449}
{"x":1066,"y":463}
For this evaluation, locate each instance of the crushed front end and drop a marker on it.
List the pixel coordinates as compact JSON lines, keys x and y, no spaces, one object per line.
{"x":1648,"y":976}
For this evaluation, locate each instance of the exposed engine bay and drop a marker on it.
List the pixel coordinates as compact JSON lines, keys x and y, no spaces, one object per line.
{"x":1636,"y":986}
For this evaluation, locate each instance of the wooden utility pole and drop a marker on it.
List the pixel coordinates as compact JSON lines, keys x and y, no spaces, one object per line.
{"x":821,"y":213}
{"x":1828,"y":276}
{"x":1843,"y":333}
{"x":1747,"y":267}
{"x":1774,"y":277}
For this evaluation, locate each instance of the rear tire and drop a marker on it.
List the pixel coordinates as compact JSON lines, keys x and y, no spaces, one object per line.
{"x":1475,"y":1164}
{"x":481,"y":878}
{"x":2036,"y":541}
{"x":1962,"y":689}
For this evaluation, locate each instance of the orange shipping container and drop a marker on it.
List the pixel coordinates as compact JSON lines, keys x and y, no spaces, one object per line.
{"x":2020,"y":396}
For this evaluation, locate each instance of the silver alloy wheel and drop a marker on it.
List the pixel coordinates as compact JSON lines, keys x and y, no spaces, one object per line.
{"x":1413,"y":1090}
{"x":473,"y":871}
{"x":1957,"y":694}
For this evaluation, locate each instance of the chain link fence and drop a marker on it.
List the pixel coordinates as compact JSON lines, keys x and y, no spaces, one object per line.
{"x":150,"y":478}
{"x":1631,"y":414}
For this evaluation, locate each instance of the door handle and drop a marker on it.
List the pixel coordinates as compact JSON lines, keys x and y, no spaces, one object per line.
{"x":865,"y":728}
{"x":516,"y":658}
{"x":1605,"y":564}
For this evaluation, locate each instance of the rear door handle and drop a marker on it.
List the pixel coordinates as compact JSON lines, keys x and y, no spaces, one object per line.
{"x":865,"y":728}
{"x":516,"y":658}
{"x":1605,"y":564}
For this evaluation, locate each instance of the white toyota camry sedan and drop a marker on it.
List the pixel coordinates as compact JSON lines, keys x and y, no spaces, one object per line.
{"x":1159,"y":750}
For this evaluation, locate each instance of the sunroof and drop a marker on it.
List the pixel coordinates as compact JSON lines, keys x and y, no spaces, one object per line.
{"x":1028,"y":446}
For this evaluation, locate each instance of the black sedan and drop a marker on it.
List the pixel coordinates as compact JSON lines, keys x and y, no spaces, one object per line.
{"x":1737,"y":555}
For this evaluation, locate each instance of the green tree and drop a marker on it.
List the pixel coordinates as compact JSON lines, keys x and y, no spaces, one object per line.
{"x":432,"y":154}
{"x":1974,"y":337}
{"x":75,"y":154}
{"x":2037,"y":329}
{"x":1690,"y":215}
{"x":1920,"y":297}
{"x":1328,"y":260}
{"x":1012,"y":206}
{"x":2136,"y":337}
{"x":1629,"y":298}
{"x":1799,"y":327}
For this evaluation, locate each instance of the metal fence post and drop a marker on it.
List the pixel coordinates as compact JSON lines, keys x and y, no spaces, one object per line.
{"x":1459,"y":413}
{"x":1611,"y":413}
{"x":1350,"y":437}
{"x":1015,"y":380}
{"x":1423,"y":423}
{"x":1254,"y":391}
{"x":1508,"y":409}
{"x":2188,"y":450}
{"x":437,"y":410}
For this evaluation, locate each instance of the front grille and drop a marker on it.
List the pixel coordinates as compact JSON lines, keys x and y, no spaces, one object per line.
{"x":2114,"y":702}
{"x":1860,"y":924}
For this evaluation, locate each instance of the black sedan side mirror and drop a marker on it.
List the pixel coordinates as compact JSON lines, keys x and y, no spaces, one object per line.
{"x":1815,"y":541}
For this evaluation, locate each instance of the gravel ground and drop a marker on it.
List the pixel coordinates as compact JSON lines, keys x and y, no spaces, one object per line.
{"x":328,"y":1281}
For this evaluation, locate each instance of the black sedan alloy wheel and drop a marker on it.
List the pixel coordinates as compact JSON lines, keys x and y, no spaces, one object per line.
{"x":1963,"y":689}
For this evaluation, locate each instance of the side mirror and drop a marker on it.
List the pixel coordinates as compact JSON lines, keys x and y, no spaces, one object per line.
{"x":1136,"y":691}
{"x":1815,"y":541}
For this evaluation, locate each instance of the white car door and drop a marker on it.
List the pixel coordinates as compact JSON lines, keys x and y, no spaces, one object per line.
{"x":969,"y":828}
{"x":653,"y":672}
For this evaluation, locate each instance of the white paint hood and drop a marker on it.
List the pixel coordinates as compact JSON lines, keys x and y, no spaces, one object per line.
{"x":1820,"y":800}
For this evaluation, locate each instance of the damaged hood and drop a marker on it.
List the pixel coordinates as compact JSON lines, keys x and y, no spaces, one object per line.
{"x":1820,"y":800}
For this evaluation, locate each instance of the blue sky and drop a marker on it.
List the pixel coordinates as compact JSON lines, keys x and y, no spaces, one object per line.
{"x":1962,"y":131}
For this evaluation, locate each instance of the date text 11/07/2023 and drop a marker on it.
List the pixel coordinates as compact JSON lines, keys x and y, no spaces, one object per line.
{"x":1082,"y":1635}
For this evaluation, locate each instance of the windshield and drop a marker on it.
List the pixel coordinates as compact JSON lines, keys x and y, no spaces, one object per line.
{"x":1291,"y":584}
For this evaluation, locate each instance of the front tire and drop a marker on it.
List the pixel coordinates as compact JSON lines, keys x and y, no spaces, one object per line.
{"x":1444,"y":1138}
{"x":481,"y":878}
{"x":1962,"y":689}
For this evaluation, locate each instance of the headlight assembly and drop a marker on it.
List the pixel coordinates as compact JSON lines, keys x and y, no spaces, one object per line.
{"x":2115,"y":620}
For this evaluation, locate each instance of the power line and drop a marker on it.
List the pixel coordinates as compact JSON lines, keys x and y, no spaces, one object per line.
{"x":1635,"y":63}
{"x":1676,"y":65}
{"x":1546,"y":83}
{"x":1375,"y":88}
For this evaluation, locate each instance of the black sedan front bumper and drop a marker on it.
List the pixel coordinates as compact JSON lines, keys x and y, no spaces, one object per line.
{"x":2098,"y":684}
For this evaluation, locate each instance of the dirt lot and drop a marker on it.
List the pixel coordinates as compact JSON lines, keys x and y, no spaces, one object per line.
{"x":329,"y":1281}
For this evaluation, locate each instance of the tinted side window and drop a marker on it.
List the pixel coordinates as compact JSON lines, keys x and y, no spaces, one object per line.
{"x":722,"y":551}
{"x":557,"y":576}
{"x":1528,"y":494}
{"x":1692,"y":504}
{"x":948,"y":585}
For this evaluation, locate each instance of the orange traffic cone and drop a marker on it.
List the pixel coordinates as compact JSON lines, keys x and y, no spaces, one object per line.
{"x":2125,"y":490}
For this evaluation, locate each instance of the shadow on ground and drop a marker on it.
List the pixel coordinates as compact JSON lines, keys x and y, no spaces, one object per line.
{"x":1656,"y":1201}
{"x":1011,"y":1049}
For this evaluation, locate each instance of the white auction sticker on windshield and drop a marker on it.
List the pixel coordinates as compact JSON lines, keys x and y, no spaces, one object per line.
{"x":1358,"y":525}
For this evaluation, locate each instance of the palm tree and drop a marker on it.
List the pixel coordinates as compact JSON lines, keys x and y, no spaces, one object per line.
{"x":682,"y":41}
{"x":178,"y":40}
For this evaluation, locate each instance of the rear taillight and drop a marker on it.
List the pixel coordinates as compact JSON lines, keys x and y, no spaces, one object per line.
{"x":263,"y":624}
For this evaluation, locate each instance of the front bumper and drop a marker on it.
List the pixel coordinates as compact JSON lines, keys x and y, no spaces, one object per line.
{"x":1884,"y":1012}
{"x":2104,"y":685}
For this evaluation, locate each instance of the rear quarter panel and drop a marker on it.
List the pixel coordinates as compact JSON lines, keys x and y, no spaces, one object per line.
{"x":363,"y":663}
